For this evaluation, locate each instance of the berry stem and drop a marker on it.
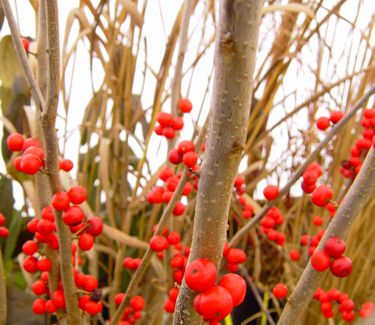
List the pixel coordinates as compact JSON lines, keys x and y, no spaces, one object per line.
{"x":3,"y":293}
{"x":362,"y":189}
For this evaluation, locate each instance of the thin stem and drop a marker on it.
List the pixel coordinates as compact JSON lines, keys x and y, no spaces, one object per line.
{"x":3,"y":293}
{"x":362,"y":189}
{"x":245,"y":229}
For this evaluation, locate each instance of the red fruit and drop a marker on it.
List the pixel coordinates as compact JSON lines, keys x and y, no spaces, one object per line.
{"x":93,"y":308}
{"x":173,"y":238}
{"x":119,"y":298}
{"x":4,"y":232}
{"x":30,"y":164}
{"x":15,"y":142}
{"x":185,"y":147}
{"x":200,"y":275}
{"x":214,"y":304}
{"x":271,"y":192}
{"x":86,"y":242}
{"x":177,"y":123}
{"x":158,"y":129}
{"x":308,"y":189}
{"x":89,"y":282}
{"x":137,"y":303}
{"x":280,"y":290}
{"x":239,"y":181}
{"x":173,"y":294}
{"x":39,"y":288}
{"x":178,"y":276}
{"x":172,"y":183}
{"x":2,"y":219}
{"x":336,"y":116}
{"x":174,"y":157}
{"x":17,"y":163}
{"x":32,"y":225}
{"x":94,"y":226}
{"x":235,"y":256}
{"x":321,"y":195}
{"x":341,"y":267}
{"x":310,"y":177}
{"x":30,"y":143}
{"x":158,"y":243}
{"x":48,"y":213}
{"x":61,"y":201}
{"x":45,"y":227}
{"x":44,"y":265}
{"x":36,"y":151}
{"x":190,"y":159}
{"x":188,"y":188}
{"x":165,"y":173}
{"x":322,"y":123}
{"x":59,"y":299}
{"x":39,"y":306}
{"x":347,"y":304}
{"x":235,"y":285}
{"x":66,"y":165}
{"x":169,"y":132}
{"x":179,"y":209}
{"x":30,"y":247}
{"x":30,"y":264}
{"x":232,"y":267}
{"x":294,"y":254}
{"x":185,"y":105}
{"x":77,"y":194}
{"x":165,"y":119}
{"x":315,"y":167}
{"x":366,"y":309}
{"x":320,"y":261}
{"x":50,"y":306}
{"x":73,"y":216}
{"x":169,"y":306}
{"x":348,"y":316}
{"x":25,"y":43}
{"x":334,"y":247}
{"x":317,"y":221}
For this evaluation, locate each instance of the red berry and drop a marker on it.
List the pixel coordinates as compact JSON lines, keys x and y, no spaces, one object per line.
{"x":36,"y":151}
{"x":73,"y":215}
{"x":294,"y":254}
{"x":4,"y":232}
{"x":77,"y":194}
{"x":235,"y":285}
{"x":200,"y":275}
{"x":39,"y":288}
{"x":165,"y":173}
{"x":44,"y":265}
{"x":45,"y":227}
{"x":93,"y":308}
{"x":119,"y":298}
{"x":317,"y":221}
{"x":320,"y":261}
{"x":280,"y":290}
{"x":59,"y":299}
{"x":169,"y":132}
{"x":169,"y":306}
{"x":190,"y":159}
{"x":94,"y":226}
{"x":25,"y":43}
{"x":137,"y":303}
{"x":341,"y":267}
{"x":322,"y":195}
{"x":322,"y":123}
{"x":334,"y":247}
{"x":174,"y":157}
{"x":165,"y":119}
{"x":86,"y":242}
{"x":235,"y":256}
{"x":30,"y":247}
{"x":30,"y":143}
{"x":30,"y":164}
{"x":185,"y":105}
{"x":30,"y":264}
{"x":158,"y":243}
{"x":185,"y":147}
{"x":173,"y":238}
{"x":39,"y":306}
{"x":2,"y":219}
{"x":50,"y":306}
{"x":48,"y":213}
{"x":173,"y":294}
{"x":89,"y":282}
{"x":177,"y":123}
{"x":66,"y":165}
{"x":179,"y":209}
{"x":15,"y":142}
{"x":60,"y":201}
{"x":214,"y":304}
{"x":336,"y":116}
{"x":271,"y":192}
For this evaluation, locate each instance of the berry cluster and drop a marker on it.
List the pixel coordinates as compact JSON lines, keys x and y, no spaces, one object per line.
{"x":214,"y":302}
{"x":312,"y":242}
{"x":169,"y":124}
{"x":310,"y":177}
{"x":247,"y":209}
{"x":272,"y":219}
{"x":322,"y":123}
{"x":340,"y":266}
{"x":133,"y":312}
{"x":233,"y":257}
{"x":4,"y":231}
{"x":350,"y":167}
{"x":184,"y":153}
{"x":346,"y":305}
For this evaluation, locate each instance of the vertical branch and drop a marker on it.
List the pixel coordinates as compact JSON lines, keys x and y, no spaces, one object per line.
{"x":3,"y":293}
{"x":362,"y":189}
{"x":236,"y":45}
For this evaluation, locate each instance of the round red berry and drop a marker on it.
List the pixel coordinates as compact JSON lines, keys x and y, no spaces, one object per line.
{"x":280,"y":290}
{"x":320,"y":261}
{"x":30,"y":164}
{"x":30,"y":247}
{"x":77,"y":194}
{"x":66,"y":165}
{"x":294,"y":254}
{"x":86,"y":242}
{"x":94,"y":226}
{"x":39,"y":306}
{"x":341,"y":267}
{"x":321,"y":195}
{"x":235,"y":285}
{"x":336,"y":116}
{"x":61,"y":201}
{"x":200,"y":275}
{"x":15,"y":142}
{"x":190,"y":159}
{"x":334,"y":247}
{"x":73,"y":215}
{"x":185,"y":105}
{"x":158,"y":243}
{"x":271,"y":192}
{"x":322,"y":123}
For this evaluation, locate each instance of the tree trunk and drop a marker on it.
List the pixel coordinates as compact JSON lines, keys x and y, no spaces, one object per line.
{"x":236,"y":45}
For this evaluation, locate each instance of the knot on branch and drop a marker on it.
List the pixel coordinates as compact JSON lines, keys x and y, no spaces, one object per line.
{"x":226,"y":42}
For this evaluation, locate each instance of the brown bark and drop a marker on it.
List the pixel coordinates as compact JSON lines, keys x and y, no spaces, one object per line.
{"x":3,"y":293}
{"x":236,"y":45}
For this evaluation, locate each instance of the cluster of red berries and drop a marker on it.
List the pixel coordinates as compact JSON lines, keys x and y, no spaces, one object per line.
{"x":131,"y":263}
{"x":233,"y":257}
{"x":32,"y":157}
{"x":184,"y":153}
{"x":312,"y":242}
{"x":133,"y":312}
{"x":170,"y":304}
{"x":4,"y":231}
{"x":247,"y":209}
{"x":214,"y":302}
{"x":280,"y":290}
{"x":351,"y":167}
{"x":346,"y":305}
{"x":169,"y":124}
{"x":272,"y":219}
{"x":310,"y":177}
{"x":340,"y":266}
{"x":322,"y":123}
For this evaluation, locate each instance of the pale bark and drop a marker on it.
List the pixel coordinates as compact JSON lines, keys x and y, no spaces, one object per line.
{"x":236,"y":45}
{"x":362,"y":189}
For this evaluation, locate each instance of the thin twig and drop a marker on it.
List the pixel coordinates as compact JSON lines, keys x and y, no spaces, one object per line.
{"x":3,"y":293}
{"x":245,"y":229}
